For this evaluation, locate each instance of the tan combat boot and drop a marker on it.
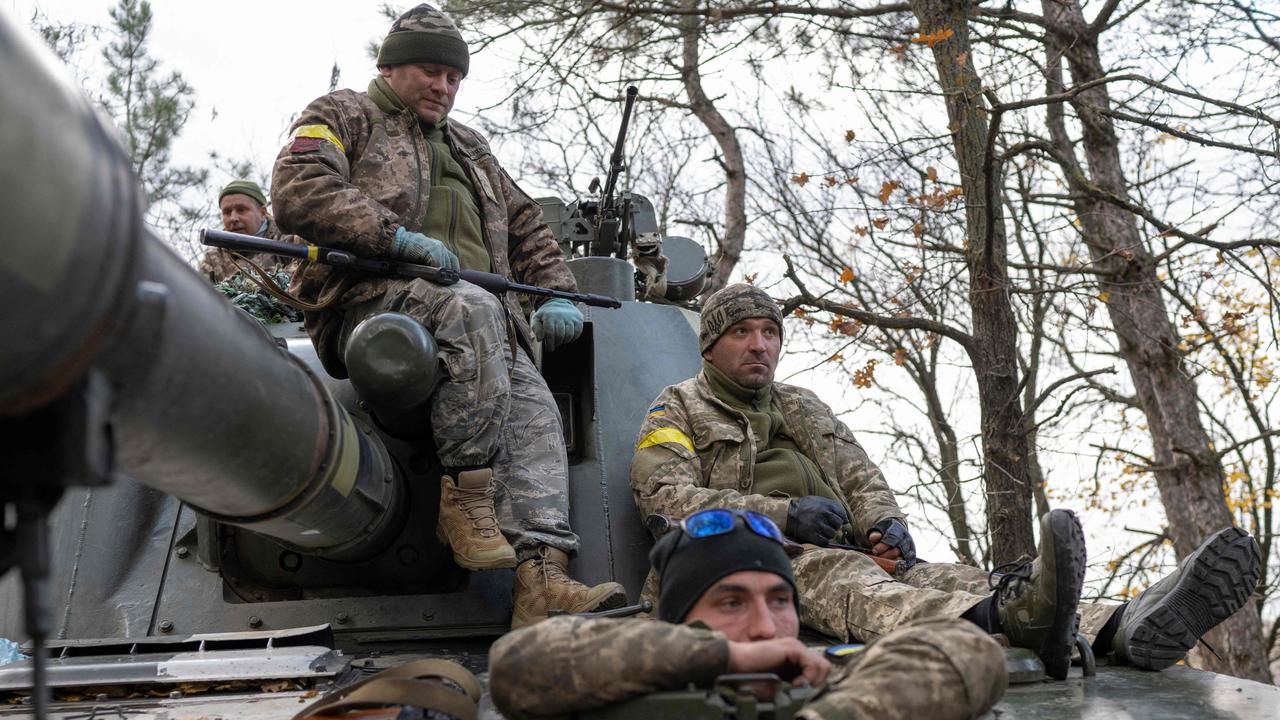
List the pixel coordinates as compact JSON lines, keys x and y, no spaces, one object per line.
{"x":543,"y":584}
{"x":468,"y":523}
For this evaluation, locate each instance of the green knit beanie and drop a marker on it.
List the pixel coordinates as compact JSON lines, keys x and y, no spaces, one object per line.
{"x":730,"y":305}
{"x":425,"y":35}
{"x":244,"y":187}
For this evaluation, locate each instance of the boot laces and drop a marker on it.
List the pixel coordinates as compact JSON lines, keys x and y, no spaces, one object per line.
{"x":1011,"y":579}
{"x":552,"y":572}
{"x":477,"y":506}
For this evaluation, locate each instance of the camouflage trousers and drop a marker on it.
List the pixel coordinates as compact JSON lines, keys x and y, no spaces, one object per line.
{"x":491,"y":409}
{"x":846,"y":595}
{"x":937,"y":669}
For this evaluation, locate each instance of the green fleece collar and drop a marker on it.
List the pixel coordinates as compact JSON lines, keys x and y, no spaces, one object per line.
{"x":384,"y":97}
{"x":733,"y":394}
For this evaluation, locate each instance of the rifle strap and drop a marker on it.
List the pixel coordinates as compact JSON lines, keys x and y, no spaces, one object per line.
{"x":262,"y":279}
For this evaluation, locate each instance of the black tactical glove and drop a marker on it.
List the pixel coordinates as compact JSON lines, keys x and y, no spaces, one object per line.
{"x":894,"y":534}
{"x":813,"y":519}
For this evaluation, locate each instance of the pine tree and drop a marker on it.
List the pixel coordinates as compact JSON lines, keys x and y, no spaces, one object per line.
{"x":150,"y":107}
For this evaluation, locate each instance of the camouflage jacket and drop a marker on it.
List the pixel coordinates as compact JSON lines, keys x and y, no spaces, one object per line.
{"x":354,"y":172}
{"x":572,"y":664}
{"x":696,"y":452}
{"x":218,"y":266}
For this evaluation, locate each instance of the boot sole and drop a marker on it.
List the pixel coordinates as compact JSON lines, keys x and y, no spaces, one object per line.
{"x":1069,"y":557}
{"x":612,"y":601}
{"x":1218,"y":583}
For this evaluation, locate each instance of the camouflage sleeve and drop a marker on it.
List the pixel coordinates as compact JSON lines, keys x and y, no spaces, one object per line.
{"x":534,"y":254}
{"x":311,"y":190}
{"x":217,"y":266}
{"x":667,"y":470}
{"x":943,"y":668}
{"x":863,"y":484}
{"x":572,"y":664}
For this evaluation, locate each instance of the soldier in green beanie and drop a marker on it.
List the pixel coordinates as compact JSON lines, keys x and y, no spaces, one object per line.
{"x":243,"y":206}
{"x":388,"y":173}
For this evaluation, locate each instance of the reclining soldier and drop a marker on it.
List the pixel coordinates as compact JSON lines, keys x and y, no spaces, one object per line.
{"x":732,"y":437}
{"x":388,"y":174}
{"x":725,"y":576}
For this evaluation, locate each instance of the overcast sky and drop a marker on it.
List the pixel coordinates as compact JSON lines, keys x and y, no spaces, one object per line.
{"x":254,"y":65}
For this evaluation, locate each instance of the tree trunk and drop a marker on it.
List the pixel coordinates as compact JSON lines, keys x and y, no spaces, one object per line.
{"x":994,"y":351}
{"x":725,"y":257}
{"x":1188,"y":472}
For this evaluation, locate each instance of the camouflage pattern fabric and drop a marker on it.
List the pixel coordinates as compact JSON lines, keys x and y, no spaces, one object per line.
{"x":218,"y":266}
{"x":572,"y":663}
{"x":356,"y":170}
{"x":491,"y":410}
{"x":695,"y":452}
{"x":938,"y":669}
{"x":249,"y":297}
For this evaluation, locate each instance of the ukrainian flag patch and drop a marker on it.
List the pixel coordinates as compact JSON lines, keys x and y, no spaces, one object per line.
{"x":657,"y":411}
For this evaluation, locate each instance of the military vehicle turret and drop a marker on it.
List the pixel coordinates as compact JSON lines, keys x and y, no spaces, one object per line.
{"x":206,"y":524}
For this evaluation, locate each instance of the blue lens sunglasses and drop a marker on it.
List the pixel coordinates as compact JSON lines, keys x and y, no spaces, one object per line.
{"x":719,"y":521}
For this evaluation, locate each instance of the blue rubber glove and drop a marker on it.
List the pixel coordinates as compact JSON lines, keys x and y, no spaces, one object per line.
{"x":557,"y":323}
{"x":418,"y":248}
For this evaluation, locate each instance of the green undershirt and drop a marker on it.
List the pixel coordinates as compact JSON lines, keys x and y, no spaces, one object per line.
{"x":781,"y":469}
{"x":452,"y":215}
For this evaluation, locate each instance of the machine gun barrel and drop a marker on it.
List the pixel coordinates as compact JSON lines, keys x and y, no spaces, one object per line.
{"x":492,"y":282}
{"x":616,"y":165}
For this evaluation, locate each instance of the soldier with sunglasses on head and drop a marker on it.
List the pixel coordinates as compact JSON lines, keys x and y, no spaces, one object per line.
{"x":728,"y":604}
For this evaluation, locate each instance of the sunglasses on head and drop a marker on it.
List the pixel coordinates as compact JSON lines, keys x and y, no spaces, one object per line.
{"x":720,"y":521}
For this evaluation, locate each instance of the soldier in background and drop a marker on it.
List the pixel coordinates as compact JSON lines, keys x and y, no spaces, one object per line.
{"x":387,"y":174}
{"x":725,"y":575}
{"x":732,"y":437}
{"x":244,"y":210}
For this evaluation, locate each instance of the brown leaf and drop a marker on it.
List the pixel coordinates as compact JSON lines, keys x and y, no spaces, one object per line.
{"x":917,"y":229}
{"x":931,"y":172}
{"x":830,"y":181}
{"x":900,"y":356}
{"x":846,"y":276}
{"x":800,"y":179}
{"x":865,"y":376}
{"x":849,"y":135}
{"x":933,"y":38}
{"x":880,"y":222}
{"x":887,"y":189}
{"x":861,"y":231}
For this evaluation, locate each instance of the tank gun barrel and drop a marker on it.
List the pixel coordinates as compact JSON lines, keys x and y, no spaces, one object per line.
{"x":205,"y":405}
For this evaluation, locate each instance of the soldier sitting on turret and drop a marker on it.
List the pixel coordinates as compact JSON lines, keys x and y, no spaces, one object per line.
{"x":731,"y":436}
{"x":725,"y":576}
{"x":387,"y":173}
